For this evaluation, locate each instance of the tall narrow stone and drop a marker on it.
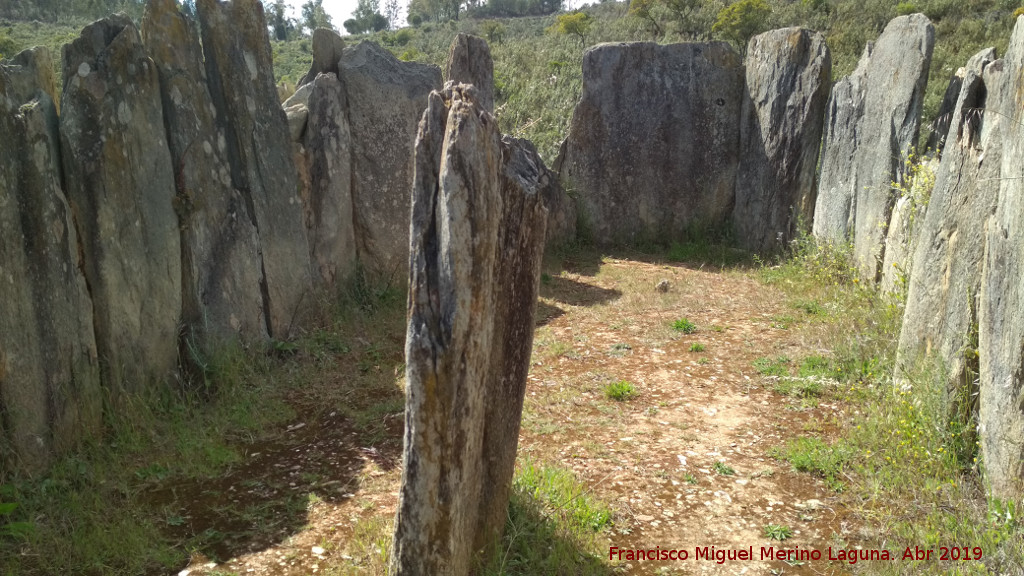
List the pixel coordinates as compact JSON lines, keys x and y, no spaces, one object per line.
{"x":469,"y":62}
{"x":477,"y":240}
{"x":120,"y":184}
{"x":653,"y":145}
{"x":329,"y":218}
{"x":897,"y":76}
{"x":789,"y":74}
{"x":941,"y":316}
{"x":240,"y":74}
{"x":837,"y":183}
{"x":386,"y":98}
{"x":1001,"y":326}
{"x":328,"y":48}
{"x":221,"y":270}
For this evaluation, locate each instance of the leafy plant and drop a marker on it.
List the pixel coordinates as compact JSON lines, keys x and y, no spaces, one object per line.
{"x":576,"y":24}
{"x":777,"y":532}
{"x":620,"y":391}
{"x":739,"y":22}
{"x":724,"y":469}
{"x":696,"y":347}
{"x":684,"y":325}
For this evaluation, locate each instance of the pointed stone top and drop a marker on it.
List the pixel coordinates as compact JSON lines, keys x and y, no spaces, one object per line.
{"x":469,"y":62}
{"x":328,"y":47}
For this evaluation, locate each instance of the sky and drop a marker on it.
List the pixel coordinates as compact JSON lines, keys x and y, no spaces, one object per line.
{"x":339,"y":10}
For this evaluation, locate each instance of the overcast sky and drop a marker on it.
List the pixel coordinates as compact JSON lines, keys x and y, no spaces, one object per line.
{"x":340,"y":10}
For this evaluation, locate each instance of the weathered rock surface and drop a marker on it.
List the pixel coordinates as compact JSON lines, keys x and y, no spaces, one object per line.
{"x":897,"y":76}
{"x":241,"y":82}
{"x":386,"y":98}
{"x":456,"y":215}
{"x":789,"y":75}
{"x":940,"y":128}
{"x":35,"y":74}
{"x":477,"y":243}
{"x":1001,"y":325}
{"x":221,"y":271}
{"x":121,"y":187}
{"x":942,"y":312}
{"x":561,"y":209}
{"x":469,"y":62}
{"x":837,"y":183}
{"x":329,"y":207}
{"x":653,"y":145}
{"x":900,"y":240}
{"x":328,"y":48}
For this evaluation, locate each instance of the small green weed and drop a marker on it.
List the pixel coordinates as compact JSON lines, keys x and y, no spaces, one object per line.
{"x":777,"y":532}
{"x":809,"y":307}
{"x":620,"y":391}
{"x":723,"y":469}
{"x":684,"y":325}
{"x":813,"y":455}
{"x":703,"y":360}
{"x":690,"y":478}
{"x":697,"y":347}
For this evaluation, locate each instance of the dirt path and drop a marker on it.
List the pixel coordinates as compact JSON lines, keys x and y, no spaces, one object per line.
{"x":685,"y":463}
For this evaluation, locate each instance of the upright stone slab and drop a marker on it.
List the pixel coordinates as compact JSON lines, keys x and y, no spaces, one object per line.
{"x":222,"y":272}
{"x":900,"y":241}
{"x":942,"y":312}
{"x":241,"y":79}
{"x":329,"y":218}
{"x":896,"y":78}
{"x":837,"y":183}
{"x":469,"y":62}
{"x":328,"y":48}
{"x":456,"y":214}
{"x":120,"y":183}
{"x":944,"y":118}
{"x":24,"y":416}
{"x":386,"y":98}
{"x":789,"y":75}
{"x":653,"y":145}
{"x":1001,"y":325}
{"x":477,"y":241}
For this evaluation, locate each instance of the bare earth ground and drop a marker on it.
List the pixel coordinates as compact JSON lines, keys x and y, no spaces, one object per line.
{"x":652,"y":457}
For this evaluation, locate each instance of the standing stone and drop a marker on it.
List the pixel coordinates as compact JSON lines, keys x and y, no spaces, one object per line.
{"x":521,"y":238}
{"x":1001,"y":326}
{"x":35,"y":74}
{"x":477,"y":241}
{"x":456,"y":215}
{"x":653,"y":145}
{"x":221,"y":272}
{"x":789,"y":74}
{"x":386,"y":98}
{"x":897,"y":76}
{"x":329,"y":167}
{"x":940,"y":127}
{"x":241,"y":79}
{"x":120,"y":184}
{"x":900,"y":240}
{"x":837,"y":183}
{"x":469,"y":62}
{"x":328,"y":48}
{"x":22,"y":391}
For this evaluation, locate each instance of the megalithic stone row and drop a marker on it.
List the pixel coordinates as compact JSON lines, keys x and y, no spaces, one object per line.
{"x":120,"y":184}
{"x":240,"y":74}
{"x":653,"y":145}
{"x":477,"y":239}
{"x":941,"y":317}
{"x":788,"y":78}
{"x":221,"y":268}
{"x":1001,"y":318}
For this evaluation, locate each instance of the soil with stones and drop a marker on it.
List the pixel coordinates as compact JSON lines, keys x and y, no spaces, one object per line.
{"x":685,"y":463}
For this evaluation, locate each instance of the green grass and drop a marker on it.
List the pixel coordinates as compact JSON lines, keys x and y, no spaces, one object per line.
{"x":778,"y":366}
{"x":697,"y":347}
{"x":684,"y":325}
{"x":554,"y":526}
{"x":620,"y":391}
{"x":813,"y":455}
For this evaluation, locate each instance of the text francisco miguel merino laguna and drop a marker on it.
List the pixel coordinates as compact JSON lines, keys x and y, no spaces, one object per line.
{"x":723,"y":555}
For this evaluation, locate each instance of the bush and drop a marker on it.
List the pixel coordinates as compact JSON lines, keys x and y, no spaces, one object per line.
{"x":739,"y":22}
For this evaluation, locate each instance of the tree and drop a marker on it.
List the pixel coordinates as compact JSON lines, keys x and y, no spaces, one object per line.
{"x":577,"y":24}
{"x":314,"y":16}
{"x":739,"y":22}
{"x":644,"y":10}
{"x":392,"y":11}
{"x":276,"y":19}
